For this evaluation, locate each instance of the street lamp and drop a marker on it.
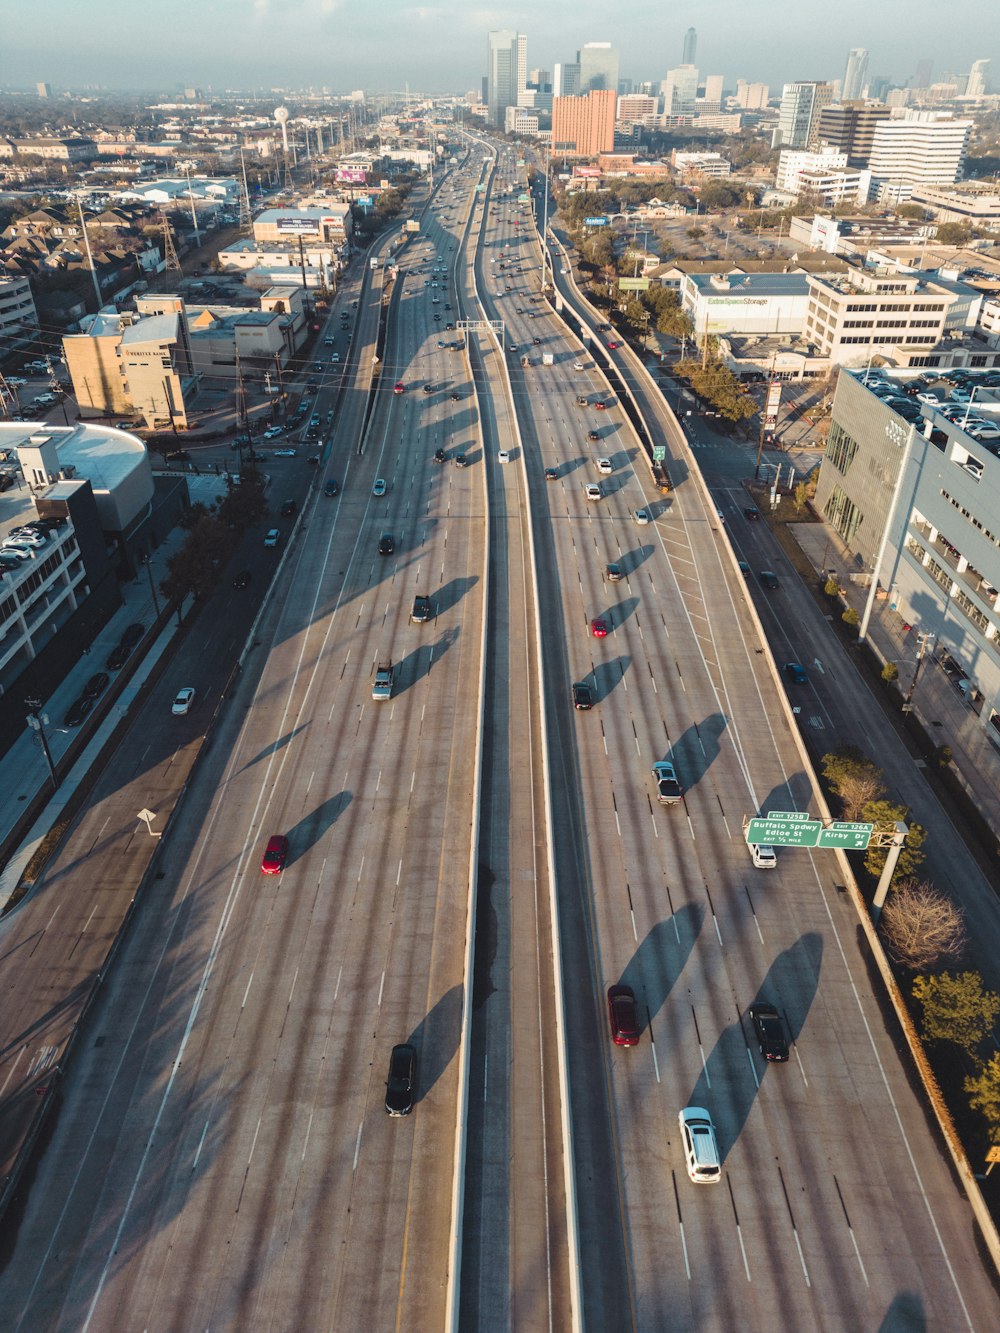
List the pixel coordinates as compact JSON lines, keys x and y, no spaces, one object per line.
{"x":37,"y":721}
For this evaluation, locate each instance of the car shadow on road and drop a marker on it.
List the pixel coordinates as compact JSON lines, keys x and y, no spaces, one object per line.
{"x":617,"y":613}
{"x":796,"y":793}
{"x":726,"y":1086}
{"x":696,"y":749}
{"x":304,"y":835}
{"x":629,"y":561}
{"x":659,"y":959}
{"x":422,"y":661}
{"x":451,"y":593}
{"x":607,"y":676}
{"x":436,"y":1038}
{"x":273,"y":748}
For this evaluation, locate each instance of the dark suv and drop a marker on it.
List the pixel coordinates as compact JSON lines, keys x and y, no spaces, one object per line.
{"x":421,"y":610}
{"x":400,"y":1085}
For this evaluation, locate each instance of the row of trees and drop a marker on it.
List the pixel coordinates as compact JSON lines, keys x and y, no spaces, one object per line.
{"x":213,"y":536}
{"x":922,"y":928}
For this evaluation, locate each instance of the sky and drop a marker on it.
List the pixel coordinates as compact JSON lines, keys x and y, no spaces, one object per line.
{"x":383,"y":45}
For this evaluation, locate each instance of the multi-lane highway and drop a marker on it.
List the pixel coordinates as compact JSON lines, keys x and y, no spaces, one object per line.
{"x":223,"y":1158}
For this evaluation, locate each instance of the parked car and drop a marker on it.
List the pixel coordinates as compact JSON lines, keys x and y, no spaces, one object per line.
{"x":272,"y":537}
{"x":95,"y":685}
{"x":78,"y":711}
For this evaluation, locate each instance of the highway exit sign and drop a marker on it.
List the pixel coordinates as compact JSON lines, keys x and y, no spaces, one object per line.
{"x":659,"y":453}
{"x":796,"y":828}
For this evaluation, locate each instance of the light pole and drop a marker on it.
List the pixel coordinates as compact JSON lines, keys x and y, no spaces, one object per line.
{"x":37,"y":722}
{"x":911,"y":435}
{"x":925,"y":639}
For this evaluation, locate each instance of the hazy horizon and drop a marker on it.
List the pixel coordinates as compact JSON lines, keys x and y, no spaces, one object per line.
{"x":260,"y":45}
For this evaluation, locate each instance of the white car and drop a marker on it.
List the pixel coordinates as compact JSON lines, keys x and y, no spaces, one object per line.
{"x":182,"y":703}
{"x":503,"y":456}
{"x":271,"y":537}
{"x":26,"y":539}
{"x":273,"y":432}
{"x":701,"y":1151}
{"x":578,"y":365}
{"x":642,"y":517}
{"x":605,"y":467}
{"x":593,"y":491}
{"x":380,"y":487}
{"x":284,"y":453}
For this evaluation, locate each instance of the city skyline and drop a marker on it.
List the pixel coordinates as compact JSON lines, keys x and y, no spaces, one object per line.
{"x":442,"y":48}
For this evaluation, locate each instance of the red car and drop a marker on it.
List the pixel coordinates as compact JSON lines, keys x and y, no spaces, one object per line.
{"x":273,"y":860}
{"x":623,"y":1015}
{"x":599,"y":629}
{"x":612,"y":347}
{"x":600,"y":406}
{"x":399,"y":388}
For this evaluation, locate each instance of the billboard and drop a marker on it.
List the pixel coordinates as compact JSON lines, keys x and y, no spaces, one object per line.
{"x":773,"y":403}
{"x":595,"y":222}
{"x":591,"y":173}
{"x":352,"y":175}
{"x":633,"y":284}
{"x":298,"y":226}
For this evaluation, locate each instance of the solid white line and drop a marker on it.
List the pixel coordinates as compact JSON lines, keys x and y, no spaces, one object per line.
{"x":201,"y":1144}
{"x":687,"y":1265}
{"x":635,"y":933}
{"x":357,"y":1147}
{"x":802,"y":1258}
{"x":486,"y":1072}
{"x":743,"y":1250}
{"x":753,"y":1069}
{"x":247,"y":991}
{"x":10,"y":1073}
{"x":656,"y":1063}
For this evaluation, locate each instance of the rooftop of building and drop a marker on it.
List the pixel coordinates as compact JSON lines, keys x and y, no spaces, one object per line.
{"x":318,"y":214}
{"x":101,"y":455}
{"x":746,"y":284}
{"x":151,"y":329}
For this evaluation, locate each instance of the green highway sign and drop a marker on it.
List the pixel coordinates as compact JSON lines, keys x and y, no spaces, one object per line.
{"x":797,"y":828}
{"x":659,"y":453}
{"x":852,"y":837}
{"x":784,"y":832}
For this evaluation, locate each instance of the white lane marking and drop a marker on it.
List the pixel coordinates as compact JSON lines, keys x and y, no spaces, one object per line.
{"x":656,"y":1063}
{"x":802,"y":1258}
{"x":753,"y":1068}
{"x":12,"y":1070}
{"x":336,"y":989}
{"x":305,"y":1141}
{"x":381,"y":985}
{"x":357,"y":1146}
{"x":801,"y":1068}
{"x":310,"y":782}
{"x":201,"y":1144}
{"x":743,"y":1250}
{"x":253,"y":1145}
{"x":291,"y":989}
{"x":247,"y":991}
{"x":635,"y":933}
{"x":687,"y":1265}
{"x":486,"y":1077}
{"x":704,"y":1065}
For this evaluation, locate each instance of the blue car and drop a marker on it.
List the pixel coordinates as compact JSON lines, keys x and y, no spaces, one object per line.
{"x":796,"y":673}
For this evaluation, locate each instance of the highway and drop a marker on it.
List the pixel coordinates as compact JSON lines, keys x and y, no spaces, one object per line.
{"x":222,"y":1157}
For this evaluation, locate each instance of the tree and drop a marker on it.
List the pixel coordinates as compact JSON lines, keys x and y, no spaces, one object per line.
{"x":855,"y":778}
{"x":804,"y":492}
{"x":984,"y":1092}
{"x":952,"y":233}
{"x":956,"y":1009}
{"x":886,"y":814}
{"x":850,"y":616}
{"x":890,"y":672}
{"x":921,"y":927}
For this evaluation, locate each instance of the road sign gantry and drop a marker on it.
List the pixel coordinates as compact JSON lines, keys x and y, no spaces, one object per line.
{"x":796,"y":828}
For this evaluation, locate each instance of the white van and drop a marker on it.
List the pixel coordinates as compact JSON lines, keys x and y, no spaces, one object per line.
{"x":764,"y":857}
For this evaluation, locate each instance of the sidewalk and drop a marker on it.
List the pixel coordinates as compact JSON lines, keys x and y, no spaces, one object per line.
{"x":25,"y":770}
{"x":941,"y":710}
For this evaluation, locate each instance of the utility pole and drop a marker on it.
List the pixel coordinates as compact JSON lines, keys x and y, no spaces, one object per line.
{"x":889,"y":518}
{"x":763,"y":418}
{"x":925,"y":639}
{"x":90,"y":257}
{"x":36,"y":721}
{"x":246,"y":223}
{"x":170,"y":260}
{"x":194,"y":215}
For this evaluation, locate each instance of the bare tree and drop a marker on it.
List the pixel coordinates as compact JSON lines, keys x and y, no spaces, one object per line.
{"x":856,"y":790}
{"x":921,"y":927}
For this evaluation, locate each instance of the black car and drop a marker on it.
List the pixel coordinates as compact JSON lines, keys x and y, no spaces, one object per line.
{"x":118,"y":656}
{"x":770,"y":1032}
{"x":551,"y":474}
{"x":768,"y":579}
{"x":332,"y":486}
{"x":428,"y":388}
{"x":439,"y":456}
{"x":401,"y":1083}
{"x":460,"y":460}
{"x":593,"y":435}
{"x":583,"y":697}
{"x":242,"y":579}
{"x":78,"y":711}
{"x":422,"y":609}
{"x":287,"y":508}
{"x":751,"y":514}
{"x":386,"y":544}
{"x":537,"y":342}
{"x":179,"y":456}
{"x":132,"y":635}
{"x":456,"y":397}
{"x":95,"y":685}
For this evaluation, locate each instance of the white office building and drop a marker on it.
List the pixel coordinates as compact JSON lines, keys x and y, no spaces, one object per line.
{"x":507,"y":71}
{"x":598,"y":63}
{"x":565,"y":79}
{"x":918,"y":149}
{"x":798,"y":115}
{"x":824,"y":173}
{"x":680,"y":91}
